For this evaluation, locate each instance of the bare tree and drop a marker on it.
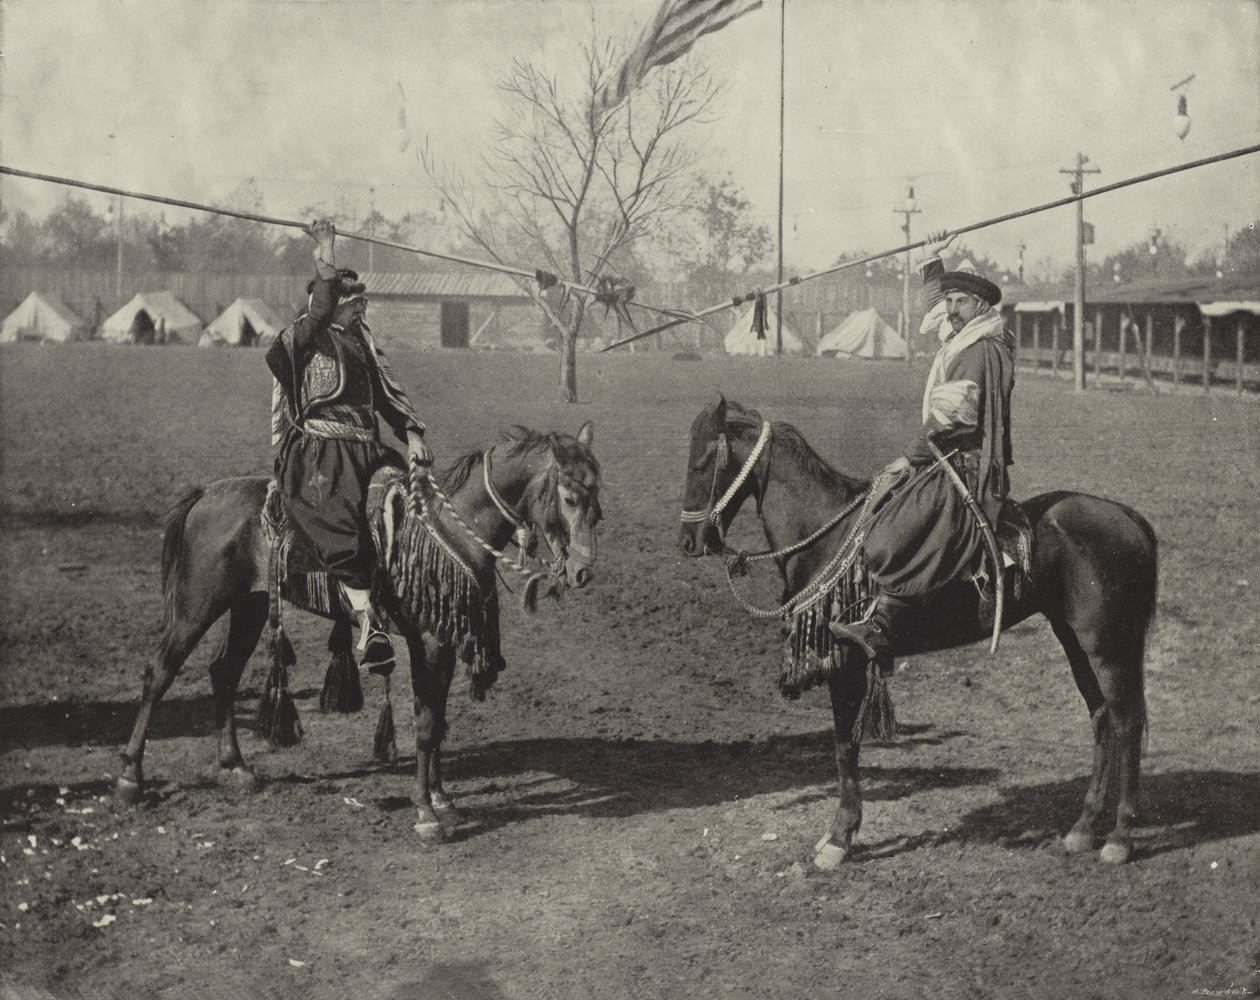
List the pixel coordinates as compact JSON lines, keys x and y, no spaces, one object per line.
{"x":572,"y":182}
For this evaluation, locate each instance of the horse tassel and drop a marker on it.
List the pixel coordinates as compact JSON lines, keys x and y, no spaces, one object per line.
{"x":876,"y":719}
{"x":342,"y":691}
{"x":277,"y":712}
{"x":384,"y":743}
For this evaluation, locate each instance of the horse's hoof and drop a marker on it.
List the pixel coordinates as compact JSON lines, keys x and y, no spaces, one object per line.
{"x":1078,"y":842}
{"x":242,"y":779}
{"x":127,"y":793}
{"x":828,"y":856}
{"x":447,"y":814}
{"x":1114,"y":852}
{"x":431,"y":832}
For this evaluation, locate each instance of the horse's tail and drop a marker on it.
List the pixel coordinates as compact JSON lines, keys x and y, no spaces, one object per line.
{"x":172,"y":546}
{"x":1150,"y":594}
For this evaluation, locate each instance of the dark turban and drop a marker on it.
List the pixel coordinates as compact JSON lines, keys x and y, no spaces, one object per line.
{"x":972,"y":284}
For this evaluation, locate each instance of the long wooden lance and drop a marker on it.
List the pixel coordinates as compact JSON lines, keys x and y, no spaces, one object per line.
{"x":845,"y":265}
{"x":611,"y":296}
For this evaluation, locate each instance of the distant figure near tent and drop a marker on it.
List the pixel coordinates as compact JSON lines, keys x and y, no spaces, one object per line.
{"x":43,"y":316}
{"x":152,"y":318}
{"x":863,"y":335}
{"x":245,"y":323}
{"x":742,"y":339}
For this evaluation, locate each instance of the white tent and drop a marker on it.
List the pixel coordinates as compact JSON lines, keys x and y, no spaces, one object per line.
{"x":863,"y":335}
{"x":149,"y":317}
{"x":741,"y":339}
{"x":245,"y":323}
{"x":43,"y":316}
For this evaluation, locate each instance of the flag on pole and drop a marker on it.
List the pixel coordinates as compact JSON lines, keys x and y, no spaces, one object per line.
{"x":672,"y":33}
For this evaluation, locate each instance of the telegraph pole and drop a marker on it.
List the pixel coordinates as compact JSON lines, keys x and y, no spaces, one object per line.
{"x":778,"y":297}
{"x":911,"y":208}
{"x":1078,"y":321}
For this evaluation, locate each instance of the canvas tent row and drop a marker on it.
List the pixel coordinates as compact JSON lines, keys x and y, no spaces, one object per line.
{"x":742,"y":339}
{"x":863,"y":334}
{"x":245,"y":323}
{"x":152,"y":318}
{"x":43,"y":316}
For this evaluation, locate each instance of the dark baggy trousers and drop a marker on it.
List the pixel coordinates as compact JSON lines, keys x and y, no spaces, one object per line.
{"x":325,"y":484}
{"x":922,"y":538}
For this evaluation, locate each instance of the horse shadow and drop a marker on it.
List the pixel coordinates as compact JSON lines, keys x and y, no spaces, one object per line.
{"x":108,"y":723}
{"x":1178,"y":810}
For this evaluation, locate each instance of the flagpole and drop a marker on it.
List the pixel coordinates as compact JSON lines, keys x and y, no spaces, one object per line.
{"x":778,"y":297}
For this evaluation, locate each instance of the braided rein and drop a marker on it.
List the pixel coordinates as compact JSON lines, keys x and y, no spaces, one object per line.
{"x":555,"y":568}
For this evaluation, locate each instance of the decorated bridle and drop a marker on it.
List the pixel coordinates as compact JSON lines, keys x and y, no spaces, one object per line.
{"x":525,"y":532}
{"x":713,"y":514}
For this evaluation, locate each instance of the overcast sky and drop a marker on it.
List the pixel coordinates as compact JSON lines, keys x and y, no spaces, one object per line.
{"x":979,"y":102}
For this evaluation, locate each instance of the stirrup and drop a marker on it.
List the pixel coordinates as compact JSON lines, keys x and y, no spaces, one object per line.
{"x":378,"y":654}
{"x":857,"y":633}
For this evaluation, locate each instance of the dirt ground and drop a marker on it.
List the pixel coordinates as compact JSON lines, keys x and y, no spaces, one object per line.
{"x":641,"y":805}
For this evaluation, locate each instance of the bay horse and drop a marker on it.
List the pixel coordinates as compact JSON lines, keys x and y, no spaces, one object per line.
{"x":1092,"y":574}
{"x":216,"y":556}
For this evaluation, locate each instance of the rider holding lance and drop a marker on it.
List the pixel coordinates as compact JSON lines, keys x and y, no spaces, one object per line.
{"x":331,"y":381}
{"x":924,"y":536}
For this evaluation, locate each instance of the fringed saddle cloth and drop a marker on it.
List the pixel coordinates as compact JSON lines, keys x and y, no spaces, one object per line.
{"x":302,"y":582}
{"x":807,"y":653}
{"x":430,"y":583}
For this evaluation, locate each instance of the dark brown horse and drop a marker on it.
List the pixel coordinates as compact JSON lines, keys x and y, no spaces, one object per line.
{"x":1093,"y":574}
{"x":215,"y":560}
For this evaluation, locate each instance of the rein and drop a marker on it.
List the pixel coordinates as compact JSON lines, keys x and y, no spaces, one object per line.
{"x":554,"y":569}
{"x":739,"y":561}
{"x":827,"y":576}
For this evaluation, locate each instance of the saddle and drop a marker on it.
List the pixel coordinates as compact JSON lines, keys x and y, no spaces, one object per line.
{"x":294,"y":562}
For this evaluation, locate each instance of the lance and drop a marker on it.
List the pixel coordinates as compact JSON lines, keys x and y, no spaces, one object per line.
{"x":610,"y":294}
{"x":845,"y":265}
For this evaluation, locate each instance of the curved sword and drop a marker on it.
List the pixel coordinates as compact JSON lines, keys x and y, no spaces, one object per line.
{"x":990,"y":543}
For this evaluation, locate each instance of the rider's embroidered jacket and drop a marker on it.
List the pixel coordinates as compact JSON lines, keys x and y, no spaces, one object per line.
{"x":329,"y":381}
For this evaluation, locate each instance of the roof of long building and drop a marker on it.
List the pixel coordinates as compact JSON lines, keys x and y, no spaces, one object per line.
{"x":446,"y":286}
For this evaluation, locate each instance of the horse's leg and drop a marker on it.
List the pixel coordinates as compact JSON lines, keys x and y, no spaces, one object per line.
{"x":247,"y":617}
{"x":444,"y":665}
{"x":1081,"y":837}
{"x":847,"y":685}
{"x":178,"y":640}
{"x":426,"y":687}
{"x":1124,"y":723}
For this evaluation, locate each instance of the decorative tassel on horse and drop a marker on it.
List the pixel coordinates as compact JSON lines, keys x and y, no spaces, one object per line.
{"x":277,"y":713}
{"x":342,"y":690}
{"x":876,"y":718}
{"x":384,"y":742}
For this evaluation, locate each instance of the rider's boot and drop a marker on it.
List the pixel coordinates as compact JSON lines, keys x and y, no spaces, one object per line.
{"x":374,"y":643}
{"x":874,"y":635}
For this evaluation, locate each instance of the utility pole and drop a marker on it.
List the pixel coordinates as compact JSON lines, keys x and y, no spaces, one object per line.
{"x":1078,"y":320}
{"x":119,"y":263}
{"x":371,"y":228}
{"x":910,"y":208}
{"x":778,"y":296}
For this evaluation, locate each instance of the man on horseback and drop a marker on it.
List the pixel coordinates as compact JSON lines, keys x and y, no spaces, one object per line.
{"x":924,"y":536}
{"x":331,"y":381}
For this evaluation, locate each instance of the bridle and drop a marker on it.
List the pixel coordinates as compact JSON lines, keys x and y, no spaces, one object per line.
{"x":525,"y":532}
{"x":713,"y":513}
{"x":738,"y":563}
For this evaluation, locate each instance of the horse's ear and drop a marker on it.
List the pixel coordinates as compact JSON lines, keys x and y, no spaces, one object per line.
{"x":586,"y":434}
{"x":719,"y":410}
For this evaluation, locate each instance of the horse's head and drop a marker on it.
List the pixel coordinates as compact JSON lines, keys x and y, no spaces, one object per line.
{"x":562,"y":503}
{"x":728,"y":443}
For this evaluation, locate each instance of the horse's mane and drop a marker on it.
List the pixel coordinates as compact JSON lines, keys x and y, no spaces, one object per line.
{"x":523,"y":441}
{"x":790,"y":440}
